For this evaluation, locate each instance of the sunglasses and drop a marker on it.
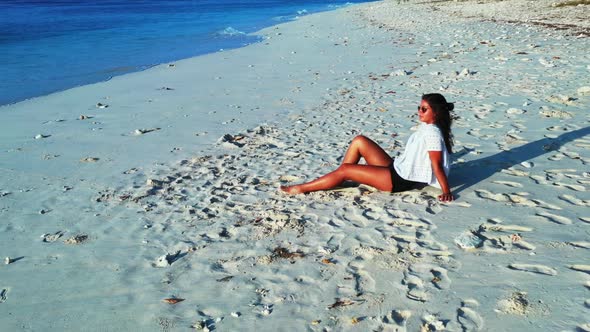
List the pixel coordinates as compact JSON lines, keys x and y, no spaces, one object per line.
{"x":422,"y":109}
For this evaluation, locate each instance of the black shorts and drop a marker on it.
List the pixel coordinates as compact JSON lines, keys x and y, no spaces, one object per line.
{"x":400,"y":184}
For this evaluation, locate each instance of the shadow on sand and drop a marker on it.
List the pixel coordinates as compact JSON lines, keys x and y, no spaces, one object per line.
{"x":467,"y":174}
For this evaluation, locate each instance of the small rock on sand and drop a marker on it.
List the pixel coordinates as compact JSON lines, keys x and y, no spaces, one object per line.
{"x":515,"y":111}
{"x":77,"y":239}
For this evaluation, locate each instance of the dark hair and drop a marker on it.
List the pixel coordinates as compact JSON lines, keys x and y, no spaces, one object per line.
{"x":442,"y":116}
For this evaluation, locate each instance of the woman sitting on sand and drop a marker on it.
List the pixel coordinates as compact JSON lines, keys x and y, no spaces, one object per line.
{"x":425,"y":159}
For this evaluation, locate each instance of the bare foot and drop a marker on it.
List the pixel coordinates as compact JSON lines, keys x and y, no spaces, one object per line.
{"x":291,"y":190}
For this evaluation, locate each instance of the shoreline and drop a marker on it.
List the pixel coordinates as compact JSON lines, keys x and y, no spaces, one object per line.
{"x":150,"y":64}
{"x":168,"y":212}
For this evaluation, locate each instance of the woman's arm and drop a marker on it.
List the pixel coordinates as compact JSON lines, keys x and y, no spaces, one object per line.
{"x":439,"y":172}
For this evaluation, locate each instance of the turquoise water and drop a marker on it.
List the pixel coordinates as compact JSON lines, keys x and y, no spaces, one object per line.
{"x":48,"y":46}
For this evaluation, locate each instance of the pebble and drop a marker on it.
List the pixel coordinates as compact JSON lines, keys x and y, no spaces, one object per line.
{"x":466,"y":72}
{"x":546,"y":63}
{"x":77,"y":239}
{"x":400,"y":72}
{"x":166,"y":260}
{"x":154,"y":183}
{"x":515,"y":111}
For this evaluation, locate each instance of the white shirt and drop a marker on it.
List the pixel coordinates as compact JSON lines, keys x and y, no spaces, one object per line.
{"x":414,"y":163}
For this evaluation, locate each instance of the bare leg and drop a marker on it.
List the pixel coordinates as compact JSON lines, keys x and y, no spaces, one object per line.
{"x":376,"y":173}
{"x":374,"y":176}
{"x":364,"y":147}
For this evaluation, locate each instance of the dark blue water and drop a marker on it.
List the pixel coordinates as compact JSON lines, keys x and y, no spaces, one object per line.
{"x":48,"y":46}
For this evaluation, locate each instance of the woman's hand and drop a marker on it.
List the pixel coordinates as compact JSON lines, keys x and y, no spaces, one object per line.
{"x":437,"y":168}
{"x":446,"y":197}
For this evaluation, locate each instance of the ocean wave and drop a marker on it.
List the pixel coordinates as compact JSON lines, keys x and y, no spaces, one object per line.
{"x":229,"y":31}
{"x":334,"y":6}
{"x":285,"y":18}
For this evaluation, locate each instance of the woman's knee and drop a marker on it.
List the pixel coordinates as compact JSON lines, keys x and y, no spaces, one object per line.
{"x":343,"y":171}
{"x":360,"y":140}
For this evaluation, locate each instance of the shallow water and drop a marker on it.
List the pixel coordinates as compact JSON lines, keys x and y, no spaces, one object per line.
{"x":48,"y":46}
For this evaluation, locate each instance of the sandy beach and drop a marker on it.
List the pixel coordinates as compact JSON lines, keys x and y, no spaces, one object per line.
{"x":150,"y":202}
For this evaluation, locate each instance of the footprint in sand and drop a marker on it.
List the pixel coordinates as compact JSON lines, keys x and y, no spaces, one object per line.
{"x":401,"y":214}
{"x":440,"y":278}
{"x":492,"y":240}
{"x":373,"y":213}
{"x":418,"y":276}
{"x":433,"y":322}
{"x":350,"y":215}
{"x":580,"y":268}
{"x":521,"y":199}
{"x":514,"y":172}
{"x":476,"y":133}
{"x":485,"y":194}
{"x":574,"y":200}
{"x":575,"y":187}
{"x":509,"y":184}
{"x":555,"y":218}
{"x":534,"y":268}
{"x":431,"y":245}
{"x":396,"y":320}
{"x":364,"y":283}
{"x":415,"y":287}
{"x":580,"y":244}
{"x":420,"y":224}
{"x":334,"y":243}
{"x":508,"y":228}
{"x":469,"y":319}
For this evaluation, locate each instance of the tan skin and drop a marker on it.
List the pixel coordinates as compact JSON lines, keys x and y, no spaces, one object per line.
{"x":376,"y":173}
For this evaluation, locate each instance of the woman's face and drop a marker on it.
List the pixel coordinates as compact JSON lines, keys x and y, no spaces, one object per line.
{"x":425,"y":113}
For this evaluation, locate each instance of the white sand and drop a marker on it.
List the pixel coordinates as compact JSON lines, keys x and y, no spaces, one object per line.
{"x":172,"y":193}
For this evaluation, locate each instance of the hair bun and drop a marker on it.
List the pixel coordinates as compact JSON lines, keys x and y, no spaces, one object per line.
{"x":450,"y":106}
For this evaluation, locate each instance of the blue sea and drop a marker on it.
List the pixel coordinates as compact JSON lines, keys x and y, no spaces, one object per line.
{"x":48,"y":46}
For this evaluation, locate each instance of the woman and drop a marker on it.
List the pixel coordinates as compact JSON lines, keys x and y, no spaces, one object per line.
{"x":425,"y":160}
